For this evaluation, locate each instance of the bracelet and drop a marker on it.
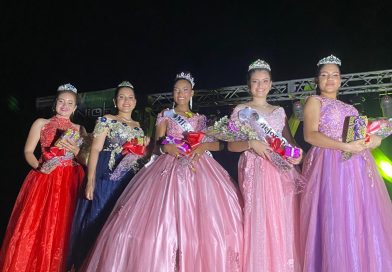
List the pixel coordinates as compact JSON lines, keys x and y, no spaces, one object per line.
{"x":161,"y":151}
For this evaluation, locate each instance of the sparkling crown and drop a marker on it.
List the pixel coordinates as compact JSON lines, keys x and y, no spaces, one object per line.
{"x":67,"y":87}
{"x":259,"y":64}
{"x":330,"y":60}
{"x":125,"y":84}
{"x":186,"y":76}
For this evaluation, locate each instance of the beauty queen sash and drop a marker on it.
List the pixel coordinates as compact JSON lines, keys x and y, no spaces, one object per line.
{"x":259,"y":124}
{"x":186,"y":127}
{"x":179,"y":120}
{"x":266,"y":133}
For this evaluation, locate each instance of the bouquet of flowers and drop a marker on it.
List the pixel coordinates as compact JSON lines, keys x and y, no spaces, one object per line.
{"x":71,"y":135}
{"x":190,"y":142}
{"x":133,"y":149}
{"x":381,"y":127}
{"x":360,"y":127}
{"x":250,"y":126}
{"x":52,"y":156}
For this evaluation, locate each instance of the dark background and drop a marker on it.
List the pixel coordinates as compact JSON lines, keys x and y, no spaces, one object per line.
{"x":97,"y":44}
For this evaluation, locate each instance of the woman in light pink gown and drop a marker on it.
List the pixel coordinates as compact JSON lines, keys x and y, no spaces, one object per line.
{"x":270,"y":195}
{"x":181,"y":213}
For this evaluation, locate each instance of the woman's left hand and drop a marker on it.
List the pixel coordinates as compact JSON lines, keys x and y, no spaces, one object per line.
{"x":296,"y":161}
{"x":198,"y":152}
{"x":375,"y":141}
{"x":70,"y":146}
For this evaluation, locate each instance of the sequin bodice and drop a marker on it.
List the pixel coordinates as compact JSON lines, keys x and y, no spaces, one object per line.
{"x":197,"y":121}
{"x":118,"y":133}
{"x":332,"y":115}
{"x":276,"y":118}
{"x":53,"y":130}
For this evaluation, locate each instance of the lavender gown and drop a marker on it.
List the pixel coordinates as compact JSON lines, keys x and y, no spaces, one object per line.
{"x":346,"y":213}
{"x":171,"y":218}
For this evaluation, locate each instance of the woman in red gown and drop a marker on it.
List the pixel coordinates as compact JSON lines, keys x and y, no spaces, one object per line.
{"x":38,"y":231}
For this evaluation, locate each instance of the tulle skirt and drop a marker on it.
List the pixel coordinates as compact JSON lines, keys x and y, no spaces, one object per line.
{"x":346,"y":214}
{"x":37,"y":235}
{"x":271,"y":215}
{"x":173,"y":217}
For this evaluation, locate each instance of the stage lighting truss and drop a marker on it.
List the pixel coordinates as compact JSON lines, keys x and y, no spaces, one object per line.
{"x":366,"y":82}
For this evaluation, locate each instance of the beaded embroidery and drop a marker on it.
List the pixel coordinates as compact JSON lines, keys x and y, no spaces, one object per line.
{"x":118,"y":134}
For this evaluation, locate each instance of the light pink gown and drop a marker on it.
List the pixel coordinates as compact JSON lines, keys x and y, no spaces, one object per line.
{"x":271,"y":208}
{"x":171,"y":218}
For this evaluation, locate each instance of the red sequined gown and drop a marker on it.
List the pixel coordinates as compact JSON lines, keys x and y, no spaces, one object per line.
{"x":38,"y":231}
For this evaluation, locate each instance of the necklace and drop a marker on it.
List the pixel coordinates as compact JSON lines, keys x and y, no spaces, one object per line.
{"x":187,"y":114}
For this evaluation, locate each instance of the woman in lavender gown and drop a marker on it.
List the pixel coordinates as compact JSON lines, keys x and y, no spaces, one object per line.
{"x":346,"y":213}
{"x":181,"y":213}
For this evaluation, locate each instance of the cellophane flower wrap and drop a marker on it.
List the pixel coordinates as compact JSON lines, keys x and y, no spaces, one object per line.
{"x":249,"y":127}
{"x":56,"y":155}
{"x":133,"y":149}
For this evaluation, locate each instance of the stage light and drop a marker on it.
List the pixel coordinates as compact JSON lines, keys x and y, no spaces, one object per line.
{"x":384,"y":164}
{"x":386,"y":106}
{"x":386,"y":168}
{"x":298,"y":110}
{"x":13,"y":104}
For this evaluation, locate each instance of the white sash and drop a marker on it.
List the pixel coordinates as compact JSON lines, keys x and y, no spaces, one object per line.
{"x":179,"y":120}
{"x":253,"y":117}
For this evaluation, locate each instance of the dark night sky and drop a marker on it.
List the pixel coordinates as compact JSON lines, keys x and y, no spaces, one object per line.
{"x":97,"y":44}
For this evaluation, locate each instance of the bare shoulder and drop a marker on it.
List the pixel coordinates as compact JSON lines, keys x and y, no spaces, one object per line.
{"x":162,"y":113}
{"x":313,"y":100}
{"x":110,"y":116}
{"x":241,"y":106}
{"x":274,"y":107}
{"x":40,"y":122}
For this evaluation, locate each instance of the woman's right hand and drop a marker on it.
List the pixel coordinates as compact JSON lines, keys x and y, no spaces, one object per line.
{"x":355,"y":146}
{"x":171,"y":149}
{"x":89,"y":191}
{"x":260,"y":148}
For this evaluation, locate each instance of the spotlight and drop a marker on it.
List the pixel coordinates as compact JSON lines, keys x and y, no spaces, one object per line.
{"x":298,"y":110}
{"x":384,"y":164}
{"x":386,"y":106}
{"x":386,"y":168}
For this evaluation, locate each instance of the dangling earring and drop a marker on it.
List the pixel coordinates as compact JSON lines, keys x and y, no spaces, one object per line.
{"x":174,"y":104}
{"x":190,"y":103}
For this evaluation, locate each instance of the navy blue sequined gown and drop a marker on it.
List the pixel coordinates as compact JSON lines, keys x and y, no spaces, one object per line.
{"x":90,"y":215}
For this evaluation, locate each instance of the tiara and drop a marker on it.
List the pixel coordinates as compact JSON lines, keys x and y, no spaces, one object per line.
{"x":186,"y":76}
{"x":259,"y":64}
{"x":125,"y":84}
{"x":330,"y":60}
{"x":67,"y":87}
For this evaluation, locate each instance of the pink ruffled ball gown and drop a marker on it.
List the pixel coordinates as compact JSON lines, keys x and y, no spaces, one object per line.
{"x":174,"y":217}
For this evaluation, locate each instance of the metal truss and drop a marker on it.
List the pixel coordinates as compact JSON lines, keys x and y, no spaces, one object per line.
{"x":366,"y":82}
